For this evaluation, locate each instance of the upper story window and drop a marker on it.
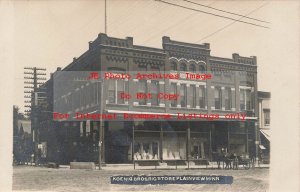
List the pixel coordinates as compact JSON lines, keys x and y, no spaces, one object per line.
{"x":192,"y":68}
{"x":242,"y":99}
{"x":218,"y":98}
{"x":154,"y":89}
{"x":266,"y":117}
{"x":142,"y":89}
{"x":227,"y":97}
{"x":182,"y":67}
{"x":111,"y":91}
{"x":202,"y":68}
{"x":183,"y":98}
{"x":193,"y":96}
{"x":121,"y":88}
{"x":115,"y":88}
{"x":245,"y":99}
{"x":173,"y":90}
{"x":174,"y":66}
{"x":248,"y":99}
{"x":202,"y":96}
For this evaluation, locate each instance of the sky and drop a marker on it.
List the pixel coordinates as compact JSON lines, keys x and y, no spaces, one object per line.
{"x":49,"y":34}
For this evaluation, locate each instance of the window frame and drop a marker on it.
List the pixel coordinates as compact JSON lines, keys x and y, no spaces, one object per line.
{"x":184,"y":99}
{"x":173,"y":102}
{"x":183,"y":67}
{"x":154,"y":96}
{"x":202,"y":96}
{"x":193,"y":96}
{"x":219,"y":106}
{"x":228,"y":101}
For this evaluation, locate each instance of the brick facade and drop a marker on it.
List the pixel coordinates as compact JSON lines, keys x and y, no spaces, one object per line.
{"x":234,"y":84}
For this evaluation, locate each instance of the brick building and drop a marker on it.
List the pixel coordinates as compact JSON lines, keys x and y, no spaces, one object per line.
{"x":233,"y":89}
{"x":264,"y":125}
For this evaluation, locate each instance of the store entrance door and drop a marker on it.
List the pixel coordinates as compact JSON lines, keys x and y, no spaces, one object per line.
{"x":198,"y":150}
{"x":118,"y":143}
{"x":118,"y":154}
{"x":220,"y":136}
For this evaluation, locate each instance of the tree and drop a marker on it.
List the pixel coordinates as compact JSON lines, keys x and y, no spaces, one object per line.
{"x":18,"y":136}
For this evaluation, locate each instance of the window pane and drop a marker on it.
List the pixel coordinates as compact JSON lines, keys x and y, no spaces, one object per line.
{"x":174,"y":66}
{"x":267,"y":117}
{"x":154,"y":92}
{"x":201,"y":97}
{"x":227,"y":97}
{"x":248,"y":99}
{"x":142,"y":87}
{"x":182,"y":67}
{"x":202,"y":68}
{"x":242,"y":99}
{"x":111,"y":91}
{"x":217,"y":98}
{"x":120,"y":89}
{"x":192,"y":68}
{"x":183,"y":95}
{"x":193,"y":96}
{"x":173,"y":90}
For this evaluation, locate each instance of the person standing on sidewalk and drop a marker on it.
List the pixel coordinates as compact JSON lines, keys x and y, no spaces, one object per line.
{"x":235,"y":161}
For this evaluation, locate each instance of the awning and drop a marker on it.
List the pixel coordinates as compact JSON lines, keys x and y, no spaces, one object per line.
{"x":172,"y":114}
{"x":262,"y":147}
{"x":266,"y":133}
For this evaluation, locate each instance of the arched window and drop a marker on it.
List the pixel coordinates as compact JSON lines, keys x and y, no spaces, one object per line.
{"x":182,"y":67}
{"x":192,"y":68}
{"x":202,"y":68}
{"x":174,"y":66}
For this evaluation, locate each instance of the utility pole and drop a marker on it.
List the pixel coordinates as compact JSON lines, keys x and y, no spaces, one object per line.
{"x":101,"y":131}
{"x":35,"y":76}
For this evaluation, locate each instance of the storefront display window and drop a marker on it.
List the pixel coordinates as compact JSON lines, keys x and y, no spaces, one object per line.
{"x":174,"y":148}
{"x":144,"y":150}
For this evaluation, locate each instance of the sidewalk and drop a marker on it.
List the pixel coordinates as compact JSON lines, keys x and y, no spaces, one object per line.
{"x":212,"y":165}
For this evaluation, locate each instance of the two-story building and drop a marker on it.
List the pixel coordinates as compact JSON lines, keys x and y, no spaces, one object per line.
{"x":222,"y":110}
{"x":264,"y":124}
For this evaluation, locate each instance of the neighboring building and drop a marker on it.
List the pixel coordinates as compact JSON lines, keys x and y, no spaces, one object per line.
{"x":264,"y":124}
{"x":233,"y":89}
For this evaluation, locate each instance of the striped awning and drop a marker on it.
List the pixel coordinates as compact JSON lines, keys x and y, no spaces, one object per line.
{"x":266,"y":133}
